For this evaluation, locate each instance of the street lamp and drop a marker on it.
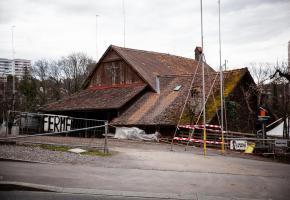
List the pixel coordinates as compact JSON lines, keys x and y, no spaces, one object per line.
{"x":97,"y":54}
{"x":13,"y":68}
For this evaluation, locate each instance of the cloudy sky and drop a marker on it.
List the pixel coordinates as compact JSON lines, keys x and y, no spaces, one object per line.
{"x":252,"y":30}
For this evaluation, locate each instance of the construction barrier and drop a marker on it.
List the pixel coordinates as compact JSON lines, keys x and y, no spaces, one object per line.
{"x":199,"y":126}
{"x":196,"y":140}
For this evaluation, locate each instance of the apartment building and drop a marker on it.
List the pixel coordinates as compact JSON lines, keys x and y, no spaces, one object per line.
{"x":6,"y":65}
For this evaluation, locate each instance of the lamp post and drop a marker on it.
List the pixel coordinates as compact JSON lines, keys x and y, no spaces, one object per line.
{"x":10,"y":115}
{"x":97,"y":53}
{"x":13,"y":68}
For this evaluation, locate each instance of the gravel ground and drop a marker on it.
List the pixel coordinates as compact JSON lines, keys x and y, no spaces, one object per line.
{"x":120,"y":152}
{"x":36,"y":153}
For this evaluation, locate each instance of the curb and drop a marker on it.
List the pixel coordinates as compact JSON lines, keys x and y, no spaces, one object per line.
{"x":22,"y":160}
{"x":21,"y":186}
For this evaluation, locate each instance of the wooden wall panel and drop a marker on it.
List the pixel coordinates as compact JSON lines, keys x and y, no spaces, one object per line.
{"x":114,"y":72}
{"x":111,"y":56}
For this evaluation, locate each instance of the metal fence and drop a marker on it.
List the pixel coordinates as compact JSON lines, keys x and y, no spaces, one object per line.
{"x":24,"y":127}
{"x":193,"y":136}
{"x":269,"y":146}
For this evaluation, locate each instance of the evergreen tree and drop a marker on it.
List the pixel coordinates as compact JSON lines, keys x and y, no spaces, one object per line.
{"x":28,"y":91}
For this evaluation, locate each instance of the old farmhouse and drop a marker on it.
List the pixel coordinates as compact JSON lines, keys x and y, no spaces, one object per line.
{"x":147,"y":89}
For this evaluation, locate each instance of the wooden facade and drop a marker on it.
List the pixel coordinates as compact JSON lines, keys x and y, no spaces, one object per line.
{"x":114,"y":71}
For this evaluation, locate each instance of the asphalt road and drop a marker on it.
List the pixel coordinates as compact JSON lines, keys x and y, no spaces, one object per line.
{"x":158,"y":174}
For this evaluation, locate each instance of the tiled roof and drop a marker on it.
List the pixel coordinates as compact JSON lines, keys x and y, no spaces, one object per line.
{"x":165,"y":108}
{"x":148,"y":64}
{"x":97,"y":98}
{"x":232,"y":78}
{"x":153,"y":108}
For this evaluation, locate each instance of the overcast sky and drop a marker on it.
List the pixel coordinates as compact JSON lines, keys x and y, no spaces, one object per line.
{"x":252,"y":30}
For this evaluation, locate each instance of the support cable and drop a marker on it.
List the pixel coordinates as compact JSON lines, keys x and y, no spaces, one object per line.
{"x":188,"y":93}
{"x":210,"y":91}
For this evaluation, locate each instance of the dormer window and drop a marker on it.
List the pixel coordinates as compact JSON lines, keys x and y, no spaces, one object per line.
{"x":177,"y":88}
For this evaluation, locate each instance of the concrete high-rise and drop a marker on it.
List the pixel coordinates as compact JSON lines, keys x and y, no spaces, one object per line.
{"x":6,"y":65}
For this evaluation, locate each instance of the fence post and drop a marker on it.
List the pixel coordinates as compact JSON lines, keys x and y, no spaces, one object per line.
{"x":106,"y":138}
{"x":264,"y":133}
{"x":7,"y":119}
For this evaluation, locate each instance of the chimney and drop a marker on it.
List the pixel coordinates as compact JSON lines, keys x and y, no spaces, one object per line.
{"x":289,"y":57}
{"x":157,"y":85}
{"x":198,"y":52}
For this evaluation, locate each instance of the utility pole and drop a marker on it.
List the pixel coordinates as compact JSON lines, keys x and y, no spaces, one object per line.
{"x":203,"y":80}
{"x":221,"y":80}
{"x":225,"y":106}
{"x":288,"y":94}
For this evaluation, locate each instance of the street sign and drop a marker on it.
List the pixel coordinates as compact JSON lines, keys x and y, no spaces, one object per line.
{"x":262,"y":117}
{"x":281,"y":143}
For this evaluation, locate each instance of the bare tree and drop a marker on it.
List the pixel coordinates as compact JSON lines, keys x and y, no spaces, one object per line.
{"x":261,"y":73}
{"x":274,"y":88}
{"x":55,"y":79}
{"x":75,"y":71}
{"x":40,"y":71}
{"x":282,"y":71}
{"x":281,"y":83}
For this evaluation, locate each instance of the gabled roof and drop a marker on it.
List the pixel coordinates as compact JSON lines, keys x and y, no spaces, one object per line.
{"x":97,"y":98}
{"x":149,"y":64}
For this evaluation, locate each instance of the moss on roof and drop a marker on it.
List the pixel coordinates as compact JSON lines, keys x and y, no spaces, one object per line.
{"x":231,"y":80}
{"x":186,"y":117}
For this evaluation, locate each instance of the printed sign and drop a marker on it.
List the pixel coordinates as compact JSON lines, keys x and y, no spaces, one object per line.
{"x":238,"y":145}
{"x":280,"y":143}
{"x":54,"y":123}
{"x":250,"y":147}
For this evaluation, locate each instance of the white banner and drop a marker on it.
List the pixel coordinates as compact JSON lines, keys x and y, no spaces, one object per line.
{"x":55,"y":123}
{"x":238,"y":145}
